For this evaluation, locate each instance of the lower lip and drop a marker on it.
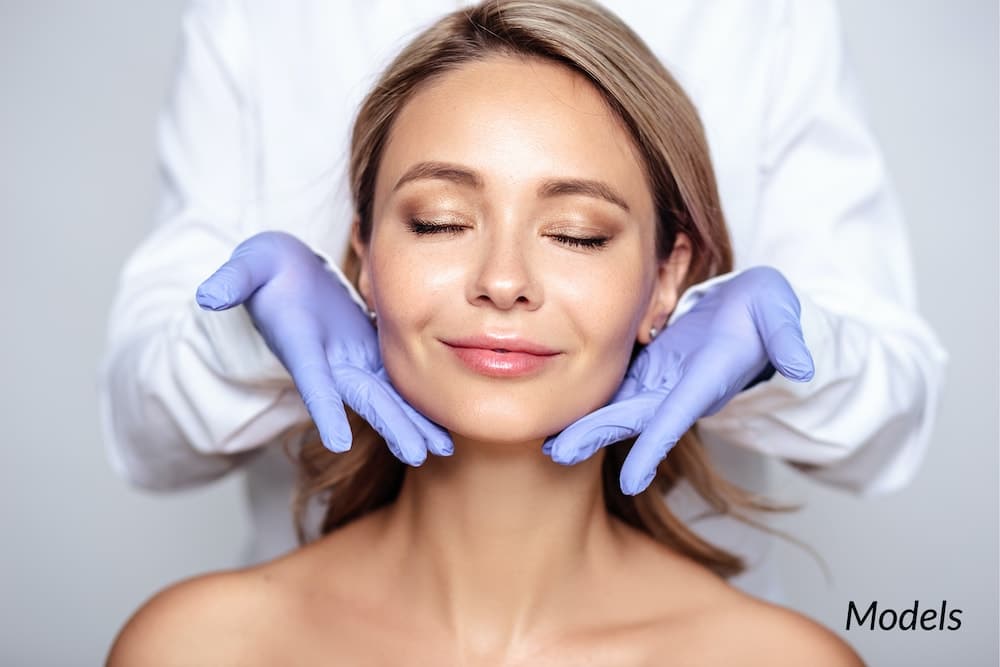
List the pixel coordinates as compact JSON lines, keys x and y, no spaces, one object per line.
{"x":501,"y":364}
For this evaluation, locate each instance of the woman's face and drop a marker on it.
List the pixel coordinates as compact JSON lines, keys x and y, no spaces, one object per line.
{"x":517,"y":158}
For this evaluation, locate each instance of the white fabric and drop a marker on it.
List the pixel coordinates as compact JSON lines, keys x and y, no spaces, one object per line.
{"x":255,"y":136}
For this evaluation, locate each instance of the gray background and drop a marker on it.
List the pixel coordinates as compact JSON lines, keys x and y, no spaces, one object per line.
{"x":82,"y":83}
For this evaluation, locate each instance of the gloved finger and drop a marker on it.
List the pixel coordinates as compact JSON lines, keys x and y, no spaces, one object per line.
{"x":306,"y":363}
{"x":640,"y":465}
{"x":630,"y":387}
{"x":703,"y":385}
{"x":781,"y":331}
{"x":437,"y":439}
{"x":233,"y":283}
{"x":605,"y":426}
{"x":368,"y":397}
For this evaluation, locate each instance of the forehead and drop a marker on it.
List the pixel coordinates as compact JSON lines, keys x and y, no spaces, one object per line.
{"x":514,"y":120}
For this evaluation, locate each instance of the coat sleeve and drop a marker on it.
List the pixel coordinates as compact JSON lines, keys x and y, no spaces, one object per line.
{"x":829,"y":220}
{"x":187,"y":395}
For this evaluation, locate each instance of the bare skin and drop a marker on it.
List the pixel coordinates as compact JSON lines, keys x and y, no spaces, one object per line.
{"x":495,"y":555}
{"x":652,"y":608}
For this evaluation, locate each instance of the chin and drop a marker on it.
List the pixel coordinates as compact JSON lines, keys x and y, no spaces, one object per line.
{"x":498,"y":436}
{"x":509,"y":423}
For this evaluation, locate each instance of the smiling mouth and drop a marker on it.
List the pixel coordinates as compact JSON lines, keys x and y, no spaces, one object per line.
{"x":499,"y":362}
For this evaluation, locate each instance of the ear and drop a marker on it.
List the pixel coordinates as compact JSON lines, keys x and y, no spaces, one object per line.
{"x":671,"y":273}
{"x":364,"y":271}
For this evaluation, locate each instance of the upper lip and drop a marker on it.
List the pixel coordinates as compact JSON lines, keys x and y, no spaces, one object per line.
{"x":508,"y":342}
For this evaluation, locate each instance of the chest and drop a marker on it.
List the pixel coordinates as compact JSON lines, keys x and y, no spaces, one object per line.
{"x":348,"y":643}
{"x":388,"y":636}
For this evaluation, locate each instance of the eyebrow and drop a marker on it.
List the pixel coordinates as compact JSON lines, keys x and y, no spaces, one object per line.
{"x":551,"y":188}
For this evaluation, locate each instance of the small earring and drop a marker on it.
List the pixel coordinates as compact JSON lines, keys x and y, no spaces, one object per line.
{"x":371,"y":315}
{"x":652,"y":332}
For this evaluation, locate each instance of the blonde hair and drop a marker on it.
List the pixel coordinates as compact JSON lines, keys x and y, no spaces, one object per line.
{"x":667,"y":132}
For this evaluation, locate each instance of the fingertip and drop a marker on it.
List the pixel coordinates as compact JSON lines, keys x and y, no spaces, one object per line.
{"x":565,"y":459}
{"x":800,"y":369}
{"x":411,"y":456}
{"x":334,"y":430}
{"x":805,"y":377}
{"x":212,"y":297}
{"x":418,"y":453}
{"x":563,"y":454}
{"x":441,"y":447}
{"x":395,"y":451}
{"x":565,"y":448}
{"x":790,"y":354}
{"x":642,"y":462}
{"x":336,"y":445}
{"x":632,"y":487}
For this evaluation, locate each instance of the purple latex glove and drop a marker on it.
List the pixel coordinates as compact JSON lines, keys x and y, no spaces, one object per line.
{"x":324,"y":339}
{"x":691,"y":370}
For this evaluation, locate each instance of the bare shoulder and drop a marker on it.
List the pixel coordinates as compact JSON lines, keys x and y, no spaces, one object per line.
{"x":260,"y":615}
{"x":215,"y":619}
{"x":760,"y":633}
{"x":698,"y":617}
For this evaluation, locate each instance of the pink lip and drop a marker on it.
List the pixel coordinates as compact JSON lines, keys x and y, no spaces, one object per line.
{"x":508,"y":342}
{"x":480,"y":354}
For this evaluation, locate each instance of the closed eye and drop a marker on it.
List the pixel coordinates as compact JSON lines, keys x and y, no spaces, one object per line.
{"x":587,"y":242}
{"x":421,"y":227}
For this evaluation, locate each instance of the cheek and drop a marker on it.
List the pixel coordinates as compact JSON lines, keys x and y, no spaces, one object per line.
{"x":415,"y":299}
{"x":606,"y":309}
{"x":407,"y":276}
{"x":403,"y":296}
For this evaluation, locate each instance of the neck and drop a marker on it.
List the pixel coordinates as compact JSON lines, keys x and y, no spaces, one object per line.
{"x":501,"y":532}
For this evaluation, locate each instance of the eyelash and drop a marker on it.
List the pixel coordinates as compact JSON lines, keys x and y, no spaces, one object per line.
{"x":421,"y":227}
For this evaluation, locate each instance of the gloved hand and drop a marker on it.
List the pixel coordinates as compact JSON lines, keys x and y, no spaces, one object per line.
{"x":327,"y":343}
{"x":691,"y":370}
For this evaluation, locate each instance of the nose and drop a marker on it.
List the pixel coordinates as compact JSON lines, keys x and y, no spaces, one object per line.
{"x":505,"y":275}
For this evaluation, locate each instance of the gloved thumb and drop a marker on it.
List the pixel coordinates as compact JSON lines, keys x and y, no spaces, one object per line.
{"x":232,"y":284}
{"x":781,"y":331}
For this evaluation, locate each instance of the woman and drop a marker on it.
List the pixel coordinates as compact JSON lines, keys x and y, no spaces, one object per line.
{"x":519,"y":168}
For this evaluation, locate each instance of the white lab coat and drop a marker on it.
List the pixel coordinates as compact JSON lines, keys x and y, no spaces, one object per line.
{"x":255,"y":136}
